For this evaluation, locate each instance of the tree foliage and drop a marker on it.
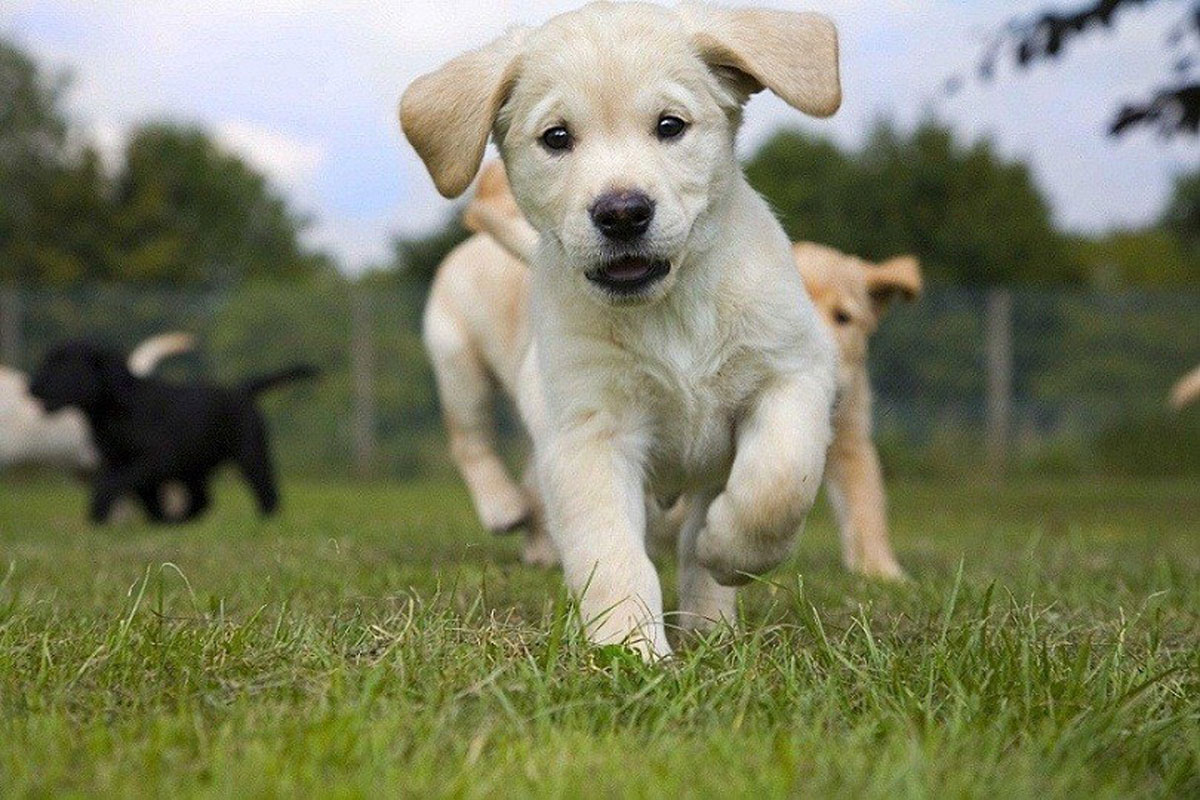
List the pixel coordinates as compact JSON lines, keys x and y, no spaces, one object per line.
{"x":415,"y":259}
{"x":179,"y":210}
{"x":188,"y":212}
{"x":1182,"y":217}
{"x":971,"y":216}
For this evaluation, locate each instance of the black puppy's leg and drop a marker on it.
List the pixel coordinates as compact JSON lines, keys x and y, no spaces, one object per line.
{"x":199,"y":500}
{"x":254,"y":459}
{"x":111,"y":483}
{"x":152,"y":502}
{"x":104,"y":494}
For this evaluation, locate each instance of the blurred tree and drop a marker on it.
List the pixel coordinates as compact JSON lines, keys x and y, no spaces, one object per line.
{"x":190,"y":213}
{"x":51,"y":205}
{"x":1166,"y":254}
{"x":972,"y":217}
{"x":1150,"y":257}
{"x":415,"y":259}
{"x":1182,"y":217}
{"x":70,"y":237}
{"x":180,"y":210}
{"x":1174,"y":108}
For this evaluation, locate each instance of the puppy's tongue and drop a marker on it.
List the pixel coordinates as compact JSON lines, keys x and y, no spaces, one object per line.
{"x":627,"y":269}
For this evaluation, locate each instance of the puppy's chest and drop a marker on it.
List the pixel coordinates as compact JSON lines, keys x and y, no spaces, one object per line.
{"x":693,"y":398}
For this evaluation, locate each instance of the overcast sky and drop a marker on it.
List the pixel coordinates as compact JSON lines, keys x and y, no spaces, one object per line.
{"x":307,"y":91}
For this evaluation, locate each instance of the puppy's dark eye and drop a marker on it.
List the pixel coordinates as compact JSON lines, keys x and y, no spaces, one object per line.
{"x":841,"y":317}
{"x":670,"y":127}
{"x":557,"y":138}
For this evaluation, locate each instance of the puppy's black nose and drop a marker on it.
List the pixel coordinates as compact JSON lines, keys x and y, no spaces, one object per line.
{"x":622,"y":216}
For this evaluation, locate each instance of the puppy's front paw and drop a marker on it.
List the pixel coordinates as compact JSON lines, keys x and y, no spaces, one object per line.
{"x":735,"y":553}
{"x":881,"y":569}
{"x":98,"y":511}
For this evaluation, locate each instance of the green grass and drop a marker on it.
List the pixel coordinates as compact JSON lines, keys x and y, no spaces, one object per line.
{"x":372,"y":641}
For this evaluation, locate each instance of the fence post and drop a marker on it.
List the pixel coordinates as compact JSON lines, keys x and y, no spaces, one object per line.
{"x":362,"y":367}
{"x":998,"y":345}
{"x":11,"y":345}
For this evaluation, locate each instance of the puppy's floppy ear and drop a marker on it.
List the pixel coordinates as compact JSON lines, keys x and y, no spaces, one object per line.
{"x":447,"y":114}
{"x":897,"y":276}
{"x":794,"y":55}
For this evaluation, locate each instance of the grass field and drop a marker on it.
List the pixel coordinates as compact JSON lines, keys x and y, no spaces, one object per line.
{"x":372,"y":641}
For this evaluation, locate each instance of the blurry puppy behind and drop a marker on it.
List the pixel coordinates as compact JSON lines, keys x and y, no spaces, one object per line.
{"x":851,"y":295}
{"x":152,"y":433}
{"x":29,"y":436}
{"x":482,"y":287}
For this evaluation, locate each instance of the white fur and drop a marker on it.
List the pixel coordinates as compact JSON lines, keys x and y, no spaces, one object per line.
{"x":717,"y":383}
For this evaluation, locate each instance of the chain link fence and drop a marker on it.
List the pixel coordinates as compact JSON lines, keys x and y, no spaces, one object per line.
{"x":967,"y":383}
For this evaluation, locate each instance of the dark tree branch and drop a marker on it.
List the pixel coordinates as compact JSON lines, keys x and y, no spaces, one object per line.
{"x":1172,"y":110}
{"x":1046,"y":37}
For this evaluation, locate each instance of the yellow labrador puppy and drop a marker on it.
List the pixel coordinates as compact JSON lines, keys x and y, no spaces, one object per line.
{"x":481,"y":292}
{"x":851,"y":295}
{"x":673,"y":349}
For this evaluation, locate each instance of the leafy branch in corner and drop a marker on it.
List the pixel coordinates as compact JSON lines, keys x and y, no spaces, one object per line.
{"x":1173,"y":108}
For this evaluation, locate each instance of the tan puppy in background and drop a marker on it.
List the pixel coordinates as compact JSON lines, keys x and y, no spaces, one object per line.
{"x":851,"y":296}
{"x":676,"y":351}
{"x":481,"y":290}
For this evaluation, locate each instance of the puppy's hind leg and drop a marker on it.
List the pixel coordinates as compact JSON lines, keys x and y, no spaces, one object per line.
{"x":254,"y":460}
{"x":538,"y":548}
{"x":703,"y":603}
{"x":465,"y":391}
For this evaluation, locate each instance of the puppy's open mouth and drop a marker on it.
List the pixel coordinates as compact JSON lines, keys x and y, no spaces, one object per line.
{"x":629,"y":275}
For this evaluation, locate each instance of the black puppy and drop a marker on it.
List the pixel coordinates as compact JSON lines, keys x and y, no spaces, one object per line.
{"x":150,"y":432}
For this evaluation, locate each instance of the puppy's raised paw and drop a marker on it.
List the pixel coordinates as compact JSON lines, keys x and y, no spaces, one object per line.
{"x":735,"y":554}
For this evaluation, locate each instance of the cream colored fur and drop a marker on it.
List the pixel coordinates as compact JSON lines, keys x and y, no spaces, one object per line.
{"x":717,"y":382}
{"x":1187,"y":390}
{"x":30,"y":436}
{"x":850,"y":294}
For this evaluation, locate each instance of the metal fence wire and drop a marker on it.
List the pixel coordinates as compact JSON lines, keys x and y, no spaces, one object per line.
{"x":967,"y":382}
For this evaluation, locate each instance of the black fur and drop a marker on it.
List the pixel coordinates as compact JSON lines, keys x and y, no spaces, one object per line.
{"x":150,"y":432}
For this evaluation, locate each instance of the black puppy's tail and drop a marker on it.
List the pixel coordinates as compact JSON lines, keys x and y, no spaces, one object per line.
{"x":262,"y":383}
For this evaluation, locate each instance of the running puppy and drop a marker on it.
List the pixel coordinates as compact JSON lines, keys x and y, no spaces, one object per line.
{"x":150,"y":433}
{"x":676,"y":351}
